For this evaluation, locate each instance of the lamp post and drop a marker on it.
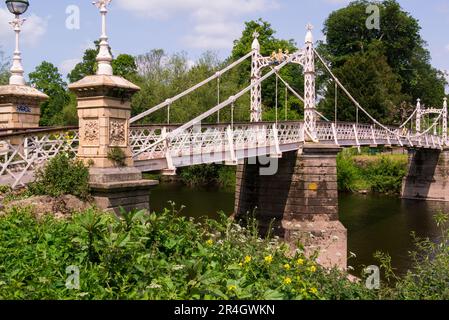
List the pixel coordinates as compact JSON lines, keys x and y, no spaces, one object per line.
{"x":104,"y":57}
{"x":17,"y":7}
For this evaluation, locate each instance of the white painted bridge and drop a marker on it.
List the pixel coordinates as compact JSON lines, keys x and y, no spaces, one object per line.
{"x":167,"y":147}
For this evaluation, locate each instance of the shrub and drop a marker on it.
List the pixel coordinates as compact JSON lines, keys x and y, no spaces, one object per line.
{"x":118,"y":156}
{"x":60,"y":176}
{"x":157,"y":256}
{"x":347,"y":173}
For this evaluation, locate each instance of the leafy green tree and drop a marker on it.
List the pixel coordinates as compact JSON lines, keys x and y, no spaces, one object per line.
{"x":86,"y":67}
{"x":124,"y":65}
{"x":372,"y":82}
{"x":47,"y":79}
{"x":4,"y":69}
{"x":291,"y":73}
{"x":399,"y":38}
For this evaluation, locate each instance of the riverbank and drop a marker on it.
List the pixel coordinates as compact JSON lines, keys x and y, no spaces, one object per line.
{"x":357,"y":173}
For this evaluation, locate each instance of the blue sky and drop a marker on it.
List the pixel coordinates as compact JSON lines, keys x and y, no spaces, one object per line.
{"x":193,"y":26}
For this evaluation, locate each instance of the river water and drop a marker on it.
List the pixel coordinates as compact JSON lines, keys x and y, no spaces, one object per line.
{"x":374,"y":223}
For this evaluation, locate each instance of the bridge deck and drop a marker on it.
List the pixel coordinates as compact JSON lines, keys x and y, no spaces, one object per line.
{"x":154,"y":148}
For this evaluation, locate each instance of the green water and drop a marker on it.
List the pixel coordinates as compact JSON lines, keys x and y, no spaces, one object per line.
{"x":374,"y":223}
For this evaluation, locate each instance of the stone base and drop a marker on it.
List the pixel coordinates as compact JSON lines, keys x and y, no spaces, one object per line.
{"x":116,"y":188}
{"x":327,"y":238}
{"x":298,"y":203}
{"x":428,"y":175}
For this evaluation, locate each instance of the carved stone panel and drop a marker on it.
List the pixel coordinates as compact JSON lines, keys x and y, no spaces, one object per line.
{"x":117,"y":133}
{"x":90,"y":133}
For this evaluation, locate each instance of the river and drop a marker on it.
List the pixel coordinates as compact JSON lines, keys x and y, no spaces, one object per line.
{"x":374,"y":223}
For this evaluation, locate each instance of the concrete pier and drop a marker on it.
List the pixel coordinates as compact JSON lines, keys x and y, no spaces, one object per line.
{"x":299,"y":202}
{"x":427,"y":175}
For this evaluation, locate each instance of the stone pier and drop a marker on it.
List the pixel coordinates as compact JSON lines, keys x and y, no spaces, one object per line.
{"x":427,"y":176}
{"x":104,"y":110}
{"x":299,"y":202}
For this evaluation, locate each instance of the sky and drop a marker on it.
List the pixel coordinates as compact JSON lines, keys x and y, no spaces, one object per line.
{"x":192,"y":26}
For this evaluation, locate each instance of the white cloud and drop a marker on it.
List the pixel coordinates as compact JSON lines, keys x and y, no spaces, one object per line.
{"x":32,"y":31}
{"x":67,"y":65}
{"x":447,"y":48}
{"x":216,"y":21}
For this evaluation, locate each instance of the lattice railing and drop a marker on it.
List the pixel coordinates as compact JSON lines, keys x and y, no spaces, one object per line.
{"x":21,"y":153}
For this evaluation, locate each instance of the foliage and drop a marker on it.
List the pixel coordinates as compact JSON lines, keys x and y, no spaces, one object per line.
{"x":398,"y":40}
{"x":209,"y":175}
{"x":380,"y":174}
{"x":60,"y":176}
{"x":155,"y":256}
{"x":118,"y":156}
{"x":369,"y":79}
{"x":87,"y":67}
{"x":4,"y":69}
{"x":429,"y":275}
{"x":269,"y":44}
{"x":124,"y":65}
{"x":47,"y":79}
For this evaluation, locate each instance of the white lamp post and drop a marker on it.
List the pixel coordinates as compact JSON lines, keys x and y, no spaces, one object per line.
{"x":17,"y":7}
{"x":104,"y":57}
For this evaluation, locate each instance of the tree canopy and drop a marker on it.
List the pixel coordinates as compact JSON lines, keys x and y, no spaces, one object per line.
{"x":47,"y":79}
{"x":397,"y":44}
{"x":4,"y":69}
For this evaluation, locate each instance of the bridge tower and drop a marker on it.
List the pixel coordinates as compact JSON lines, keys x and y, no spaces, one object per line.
{"x":418,"y":116}
{"x":104,"y":110}
{"x":256,"y":74}
{"x":309,"y":87}
{"x":297,"y":201}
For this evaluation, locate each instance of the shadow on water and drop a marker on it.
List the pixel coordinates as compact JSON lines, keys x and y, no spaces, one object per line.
{"x":374,"y":223}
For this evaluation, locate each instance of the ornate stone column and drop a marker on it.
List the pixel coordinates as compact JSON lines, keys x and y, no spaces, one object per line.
{"x":104,"y":110}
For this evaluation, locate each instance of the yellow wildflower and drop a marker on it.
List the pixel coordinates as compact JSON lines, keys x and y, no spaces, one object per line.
{"x":287,"y":266}
{"x":210,"y":242}
{"x":240,"y":264}
{"x":300,"y":262}
{"x":269,"y":259}
{"x":248,"y":259}
{"x":287,"y":281}
{"x":313,"y":290}
{"x":232,"y":288}
{"x":312,"y":269}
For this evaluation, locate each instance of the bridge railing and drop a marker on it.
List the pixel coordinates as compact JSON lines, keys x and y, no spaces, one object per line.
{"x":22,"y":152}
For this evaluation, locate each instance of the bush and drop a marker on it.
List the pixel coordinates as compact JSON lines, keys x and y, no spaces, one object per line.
{"x":347,"y":173}
{"x":60,"y":176}
{"x":209,"y":175}
{"x":118,"y":156}
{"x":157,"y":256}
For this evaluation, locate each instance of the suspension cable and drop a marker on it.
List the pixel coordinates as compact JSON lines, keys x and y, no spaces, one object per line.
{"x":190,"y":90}
{"x":222,"y":105}
{"x":336,"y":103}
{"x":286,"y":104}
{"x":276,"y":99}
{"x":168,"y":113}
{"x":218,"y":99}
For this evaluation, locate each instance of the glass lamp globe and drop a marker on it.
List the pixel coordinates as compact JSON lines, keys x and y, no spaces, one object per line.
{"x":17,"y":7}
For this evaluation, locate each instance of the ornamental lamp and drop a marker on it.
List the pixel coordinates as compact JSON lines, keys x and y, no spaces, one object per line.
{"x":17,"y":7}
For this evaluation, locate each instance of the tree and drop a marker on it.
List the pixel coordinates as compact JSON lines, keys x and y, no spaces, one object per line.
{"x":87,"y":67}
{"x":4,"y":69}
{"x":400,"y":40}
{"x":47,"y":79}
{"x":124,"y":65}
{"x":372,"y":82}
{"x":268,"y":44}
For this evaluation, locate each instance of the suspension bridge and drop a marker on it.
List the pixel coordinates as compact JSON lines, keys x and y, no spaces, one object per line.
{"x":165,"y":147}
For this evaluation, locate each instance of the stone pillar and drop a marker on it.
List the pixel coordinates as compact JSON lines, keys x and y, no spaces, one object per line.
{"x":20,"y":106}
{"x":300,"y":202}
{"x":427,"y":175}
{"x":104,"y":110}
